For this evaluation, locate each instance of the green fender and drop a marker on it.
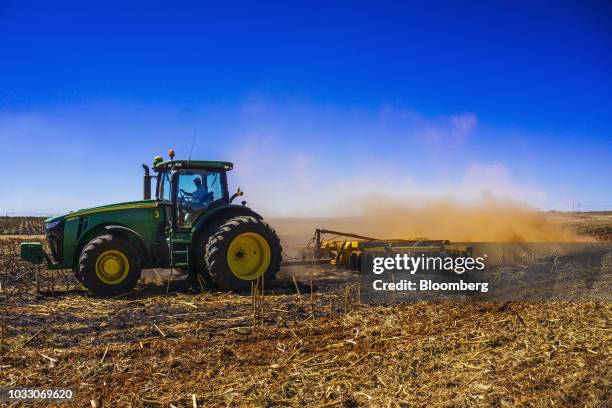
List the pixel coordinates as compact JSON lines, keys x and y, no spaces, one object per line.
{"x":222,"y":211}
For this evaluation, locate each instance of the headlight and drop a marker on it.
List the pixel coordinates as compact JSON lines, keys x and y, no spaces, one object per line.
{"x":53,"y":224}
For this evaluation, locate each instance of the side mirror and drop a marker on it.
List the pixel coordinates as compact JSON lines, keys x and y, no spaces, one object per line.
{"x":238,"y":193}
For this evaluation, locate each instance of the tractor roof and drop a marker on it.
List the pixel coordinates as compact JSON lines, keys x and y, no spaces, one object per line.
{"x":194,"y":164}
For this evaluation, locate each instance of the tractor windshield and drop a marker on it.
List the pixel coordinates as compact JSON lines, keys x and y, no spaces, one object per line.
{"x":197,"y":189}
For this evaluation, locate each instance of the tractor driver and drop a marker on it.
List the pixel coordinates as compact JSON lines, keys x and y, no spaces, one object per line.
{"x":200,"y":195}
{"x":190,"y":204}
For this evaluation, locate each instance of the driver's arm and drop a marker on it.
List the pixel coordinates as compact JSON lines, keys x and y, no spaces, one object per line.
{"x":198,"y":195}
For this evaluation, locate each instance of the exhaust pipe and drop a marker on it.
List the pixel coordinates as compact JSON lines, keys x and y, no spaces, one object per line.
{"x":146,"y":183}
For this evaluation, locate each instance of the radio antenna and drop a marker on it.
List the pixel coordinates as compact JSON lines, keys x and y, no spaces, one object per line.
{"x":195,"y":133}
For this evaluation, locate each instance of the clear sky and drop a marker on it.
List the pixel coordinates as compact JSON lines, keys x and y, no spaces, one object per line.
{"x":317,"y":103}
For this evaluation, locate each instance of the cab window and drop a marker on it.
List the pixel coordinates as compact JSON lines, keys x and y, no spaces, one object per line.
{"x":197,"y":189}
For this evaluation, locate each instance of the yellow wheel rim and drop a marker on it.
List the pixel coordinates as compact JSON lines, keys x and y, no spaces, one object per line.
{"x":112,"y":267}
{"x":248,"y":256}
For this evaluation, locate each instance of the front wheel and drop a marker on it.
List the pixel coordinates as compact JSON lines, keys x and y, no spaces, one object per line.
{"x":108,"y":266}
{"x":241,"y":250}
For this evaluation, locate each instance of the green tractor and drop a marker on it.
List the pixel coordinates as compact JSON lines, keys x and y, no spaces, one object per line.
{"x":191,"y":224}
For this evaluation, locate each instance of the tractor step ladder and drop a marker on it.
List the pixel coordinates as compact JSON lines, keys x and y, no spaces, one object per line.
{"x":179,"y":249}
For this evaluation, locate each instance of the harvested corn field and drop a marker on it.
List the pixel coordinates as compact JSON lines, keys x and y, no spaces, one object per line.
{"x":308,"y":340}
{"x":173,"y":348}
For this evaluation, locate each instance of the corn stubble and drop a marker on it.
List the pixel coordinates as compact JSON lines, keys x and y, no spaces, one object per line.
{"x":307,"y":342}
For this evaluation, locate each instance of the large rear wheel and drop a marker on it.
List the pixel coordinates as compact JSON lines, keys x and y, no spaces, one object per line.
{"x":241,"y":250}
{"x":108,"y":266}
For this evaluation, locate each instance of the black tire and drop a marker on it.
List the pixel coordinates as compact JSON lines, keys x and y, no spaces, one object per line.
{"x":199,"y":261}
{"x":89,"y":257}
{"x":216,"y":250}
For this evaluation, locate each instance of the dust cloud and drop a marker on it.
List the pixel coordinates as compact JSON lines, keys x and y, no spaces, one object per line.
{"x":486,"y":219}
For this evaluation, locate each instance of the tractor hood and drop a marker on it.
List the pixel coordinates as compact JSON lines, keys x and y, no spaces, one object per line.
{"x":104,"y":208}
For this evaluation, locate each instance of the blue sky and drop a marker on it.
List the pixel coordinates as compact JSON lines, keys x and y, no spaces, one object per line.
{"x":318,"y":103}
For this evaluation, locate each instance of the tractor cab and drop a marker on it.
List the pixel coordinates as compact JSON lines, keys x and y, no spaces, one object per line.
{"x":190,"y":188}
